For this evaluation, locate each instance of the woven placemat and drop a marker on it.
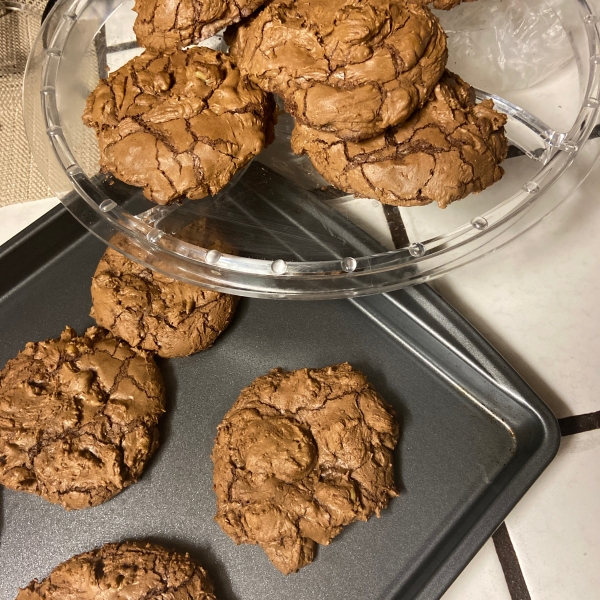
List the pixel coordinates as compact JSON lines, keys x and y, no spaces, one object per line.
{"x":20,"y":180}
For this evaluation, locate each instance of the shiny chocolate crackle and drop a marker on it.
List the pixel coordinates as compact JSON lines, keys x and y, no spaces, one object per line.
{"x":300,"y":455}
{"x":78,"y":417}
{"x":180,"y":124}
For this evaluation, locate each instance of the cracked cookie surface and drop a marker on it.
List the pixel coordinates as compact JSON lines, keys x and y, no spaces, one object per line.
{"x":131,"y":570}
{"x":300,"y":455}
{"x":350,"y":67}
{"x":78,"y":417}
{"x":165,"y":26}
{"x":180,"y":124}
{"x":450,"y":148}
{"x":154,"y":312}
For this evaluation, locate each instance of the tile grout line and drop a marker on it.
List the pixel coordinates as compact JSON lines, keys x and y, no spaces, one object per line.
{"x":579,"y":423}
{"x":510,"y":564}
{"x":100,"y":47}
{"x":396,"y":226}
{"x":122,"y":46}
{"x":509,"y":561}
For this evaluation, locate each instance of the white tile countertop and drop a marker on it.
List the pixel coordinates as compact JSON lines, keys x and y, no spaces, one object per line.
{"x":536,"y":302}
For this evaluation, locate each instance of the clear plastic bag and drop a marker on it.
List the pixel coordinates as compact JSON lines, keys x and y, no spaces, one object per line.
{"x":500,"y":45}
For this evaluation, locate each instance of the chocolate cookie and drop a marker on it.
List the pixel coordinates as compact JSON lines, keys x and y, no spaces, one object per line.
{"x":299,"y":455}
{"x":154,"y":312}
{"x":78,"y":417}
{"x":166,"y":26}
{"x":350,"y":67}
{"x":450,"y":148}
{"x":180,"y":124}
{"x":130,"y":570}
{"x":208,"y":233}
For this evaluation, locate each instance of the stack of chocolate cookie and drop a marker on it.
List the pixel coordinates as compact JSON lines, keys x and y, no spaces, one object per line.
{"x":375,"y":109}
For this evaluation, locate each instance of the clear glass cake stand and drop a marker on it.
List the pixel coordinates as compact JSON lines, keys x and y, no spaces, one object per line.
{"x":279,"y":230}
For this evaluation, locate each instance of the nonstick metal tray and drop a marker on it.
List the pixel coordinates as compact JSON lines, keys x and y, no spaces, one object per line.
{"x":474,"y":435}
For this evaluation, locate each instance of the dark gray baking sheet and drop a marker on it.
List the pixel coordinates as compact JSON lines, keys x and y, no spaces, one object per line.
{"x":474,"y":436}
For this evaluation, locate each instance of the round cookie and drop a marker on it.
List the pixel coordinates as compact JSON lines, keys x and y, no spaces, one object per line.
{"x":130,"y":570}
{"x":166,"y":26}
{"x":180,"y":124}
{"x":300,"y":455}
{"x":448,"y":149}
{"x":78,"y":417}
{"x":349,"y":67}
{"x":154,"y":312}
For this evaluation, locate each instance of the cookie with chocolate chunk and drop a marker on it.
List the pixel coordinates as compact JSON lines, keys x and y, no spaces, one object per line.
{"x":450,"y":148}
{"x":78,"y":417}
{"x":167,"y":26}
{"x":131,"y":570}
{"x":154,"y":312}
{"x":300,"y":455}
{"x":180,"y":124}
{"x":348,"y":67}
